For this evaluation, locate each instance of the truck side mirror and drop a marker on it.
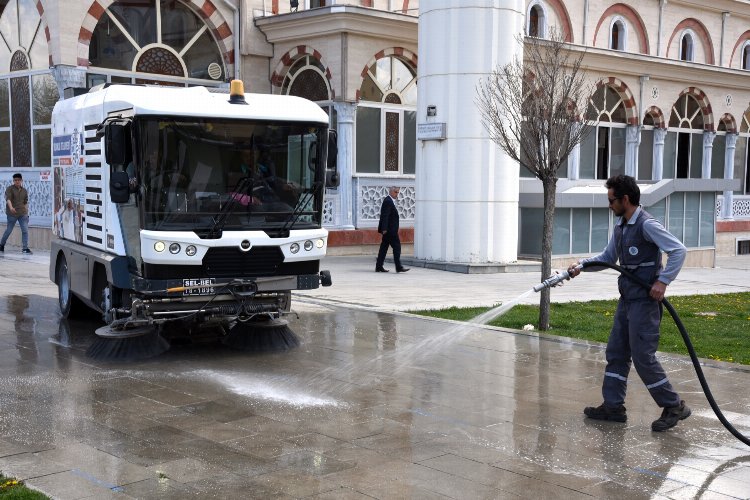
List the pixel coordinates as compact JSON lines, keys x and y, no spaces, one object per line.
{"x":117,"y":148}
{"x":332,"y":174}
{"x":119,"y":188}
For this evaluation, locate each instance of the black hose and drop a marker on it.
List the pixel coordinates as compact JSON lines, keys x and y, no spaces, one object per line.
{"x":688,"y":344}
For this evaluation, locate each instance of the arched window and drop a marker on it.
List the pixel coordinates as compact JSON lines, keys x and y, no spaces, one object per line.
{"x":27,"y":96}
{"x":306,"y":78}
{"x":161,"y":37}
{"x":617,"y":35}
{"x":686,"y":47}
{"x":537,"y":24}
{"x":684,"y":145}
{"x":603,"y":149}
{"x":746,"y":56}
{"x":386,"y":118}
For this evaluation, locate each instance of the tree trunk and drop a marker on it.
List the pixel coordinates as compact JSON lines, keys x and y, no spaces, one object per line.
{"x":550,"y":189}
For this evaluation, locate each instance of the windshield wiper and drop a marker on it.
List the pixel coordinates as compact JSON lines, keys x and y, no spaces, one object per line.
{"x":244,"y":185}
{"x":301,"y":204}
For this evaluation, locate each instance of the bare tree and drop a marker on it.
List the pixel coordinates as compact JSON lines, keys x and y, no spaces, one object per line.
{"x":530,"y":108}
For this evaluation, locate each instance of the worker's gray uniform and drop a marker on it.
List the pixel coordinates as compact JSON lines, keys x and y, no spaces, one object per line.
{"x":635,"y":332}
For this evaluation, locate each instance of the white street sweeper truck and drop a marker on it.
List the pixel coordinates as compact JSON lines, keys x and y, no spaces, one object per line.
{"x":178,"y":210}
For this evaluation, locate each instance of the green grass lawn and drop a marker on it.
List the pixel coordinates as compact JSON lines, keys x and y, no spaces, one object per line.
{"x":718,"y":325}
{"x":12,"y":489}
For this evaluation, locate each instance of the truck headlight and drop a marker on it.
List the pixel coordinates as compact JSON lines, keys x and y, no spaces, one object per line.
{"x":159,"y":246}
{"x":294,"y":247}
{"x":320,"y":243}
{"x":174,"y":248}
{"x":308,"y":245}
{"x":190,"y":250}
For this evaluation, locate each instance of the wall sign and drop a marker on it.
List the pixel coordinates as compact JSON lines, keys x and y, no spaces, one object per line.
{"x":430,"y":131}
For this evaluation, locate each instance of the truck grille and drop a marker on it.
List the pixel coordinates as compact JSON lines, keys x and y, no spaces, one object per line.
{"x":233,"y":263}
{"x":226,"y":262}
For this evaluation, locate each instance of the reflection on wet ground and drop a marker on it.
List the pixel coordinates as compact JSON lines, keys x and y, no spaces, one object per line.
{"x":370,"y":405}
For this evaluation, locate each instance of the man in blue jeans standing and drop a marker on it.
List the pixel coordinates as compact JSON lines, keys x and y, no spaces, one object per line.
{"x":17,"y":210}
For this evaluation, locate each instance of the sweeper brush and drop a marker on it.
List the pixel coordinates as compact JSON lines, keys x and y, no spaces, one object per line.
{"x":132,"y":344}
{"x":261,"y":335}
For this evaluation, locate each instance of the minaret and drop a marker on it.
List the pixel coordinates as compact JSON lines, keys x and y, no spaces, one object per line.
{"x":466,"y":187}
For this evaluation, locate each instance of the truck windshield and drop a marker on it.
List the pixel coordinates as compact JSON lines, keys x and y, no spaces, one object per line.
{"x":248,"y":175}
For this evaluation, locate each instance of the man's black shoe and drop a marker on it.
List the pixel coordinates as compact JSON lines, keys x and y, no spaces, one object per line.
{"x":381,"y":270}
{"x":26,"y":250}
{"x":2,"y":248}
{"x":402,"y":270}
{"x":670,"y":417}
{"x":603,"y":412}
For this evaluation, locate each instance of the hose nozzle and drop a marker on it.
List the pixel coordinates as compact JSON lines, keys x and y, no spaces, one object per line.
{"x":555,"y":279}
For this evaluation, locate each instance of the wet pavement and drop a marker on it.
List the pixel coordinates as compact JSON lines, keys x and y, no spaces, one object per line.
{"x":372,"y":404}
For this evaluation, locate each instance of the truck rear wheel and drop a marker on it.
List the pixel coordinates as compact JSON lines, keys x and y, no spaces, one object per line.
{"x":70,"y":305}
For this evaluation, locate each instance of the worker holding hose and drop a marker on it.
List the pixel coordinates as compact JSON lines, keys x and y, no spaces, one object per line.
{"x":637,"y":242}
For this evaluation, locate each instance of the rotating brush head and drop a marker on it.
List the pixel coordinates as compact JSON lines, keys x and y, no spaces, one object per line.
{"x":270,"y":335}
{"x":128,"y":345}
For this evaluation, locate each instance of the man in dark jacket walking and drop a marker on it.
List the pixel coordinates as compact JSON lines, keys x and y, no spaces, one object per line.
{"x":388,"y":227}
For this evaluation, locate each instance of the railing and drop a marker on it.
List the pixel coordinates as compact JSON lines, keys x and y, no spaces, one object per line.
{"x":369,"y":193}
{"x":367,"y":197}
{"x":38,"y":183}
{"x":740,"y":206}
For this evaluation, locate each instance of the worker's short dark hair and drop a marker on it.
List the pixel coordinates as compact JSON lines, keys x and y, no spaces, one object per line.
{"x":17,"y":176}
{"x":625,"y":185}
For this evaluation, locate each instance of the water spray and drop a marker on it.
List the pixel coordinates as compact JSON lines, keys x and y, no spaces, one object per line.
{"x":557,"y":278}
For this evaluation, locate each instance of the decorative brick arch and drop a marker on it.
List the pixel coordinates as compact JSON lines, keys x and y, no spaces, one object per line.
{"x":701,"y":32}
{"x":740,"y":42}
{"x":288,"y":59}
{"x":705,"y":105}
{"x":205,"y":9}
{"x":576,"y":114}
{"x":730,"y":124}
{"x":631,"y":113}
{"x":43,"y":16}
{"x":400,"y":52}
{"x":658,"y":116}
{"x":627,"y":12}
{"x":562,"y":14}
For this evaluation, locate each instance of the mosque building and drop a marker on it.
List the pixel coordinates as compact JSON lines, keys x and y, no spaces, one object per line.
{"x":672,"y":98}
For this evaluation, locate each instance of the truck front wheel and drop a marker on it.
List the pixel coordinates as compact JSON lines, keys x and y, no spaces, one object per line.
{"x":70,"y":305}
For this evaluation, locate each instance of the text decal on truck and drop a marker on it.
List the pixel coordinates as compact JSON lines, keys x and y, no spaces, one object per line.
{"x":201,"y":286}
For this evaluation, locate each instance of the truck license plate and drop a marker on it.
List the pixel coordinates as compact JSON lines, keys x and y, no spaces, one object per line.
{"x":199,"y":286}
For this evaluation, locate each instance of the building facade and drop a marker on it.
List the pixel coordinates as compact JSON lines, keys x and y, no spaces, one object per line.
{"x":673,"y":105}
{"x":672,"y":101}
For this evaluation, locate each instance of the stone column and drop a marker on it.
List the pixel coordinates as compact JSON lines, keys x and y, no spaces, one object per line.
{"x":708,"y":153}
{"x":574,"y":159}
{"x":68,"y":76}
{"x":345,"y":114}
{"x":466,"y":188}
{"x":727,"y":208}
{"x":632,"y":140}
{"x":660,"y":134}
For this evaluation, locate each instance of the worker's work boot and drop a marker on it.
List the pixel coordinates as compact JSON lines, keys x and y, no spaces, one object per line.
{"x":670,"y":416}
{"x":604,"y":412}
